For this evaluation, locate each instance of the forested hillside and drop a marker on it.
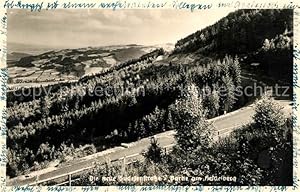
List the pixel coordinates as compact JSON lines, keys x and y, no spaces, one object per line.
{"x":135,"y":102}
{"x":248,"y":33}
{"x":240,"y":32}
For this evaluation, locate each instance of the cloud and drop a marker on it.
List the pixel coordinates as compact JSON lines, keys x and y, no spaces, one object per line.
{"x":80,"y":28}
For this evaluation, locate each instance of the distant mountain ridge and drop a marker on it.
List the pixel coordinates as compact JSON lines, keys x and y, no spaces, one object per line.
{"x":15,"y":56}
{"x":70,"y":64}
{"x":31,"y":49}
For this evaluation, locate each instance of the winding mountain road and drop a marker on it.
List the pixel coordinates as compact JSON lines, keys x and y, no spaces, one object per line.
{"x":223,"y":125}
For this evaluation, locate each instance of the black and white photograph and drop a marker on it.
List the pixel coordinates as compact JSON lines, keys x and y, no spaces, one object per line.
{"x":150,"y":97}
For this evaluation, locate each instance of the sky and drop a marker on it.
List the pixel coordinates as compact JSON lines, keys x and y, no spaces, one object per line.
{"x":63,"y":28}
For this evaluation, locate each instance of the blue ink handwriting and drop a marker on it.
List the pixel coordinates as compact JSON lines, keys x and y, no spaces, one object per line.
{"x":22,"y":5}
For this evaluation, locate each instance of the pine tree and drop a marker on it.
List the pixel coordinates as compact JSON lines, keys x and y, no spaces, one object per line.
{"x":266,"y":46}
{"x":192,"y":130}
{"x":142,"y":129}
{"x":44,"y":106}
{"x":77,"y":101}
{"x":155,"y":119}
{"x":169,"y":121}
{"x":227,"y":93}
{"x":268,"y":115}
{"x":130,"y":130}
{"x":132,"y":101}
{"x":154,"y":152}
{"x":235,"y":71}
{"x":211,"y":102}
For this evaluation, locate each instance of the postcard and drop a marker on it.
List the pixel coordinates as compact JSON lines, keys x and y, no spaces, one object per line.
{"x":149,"y":95}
